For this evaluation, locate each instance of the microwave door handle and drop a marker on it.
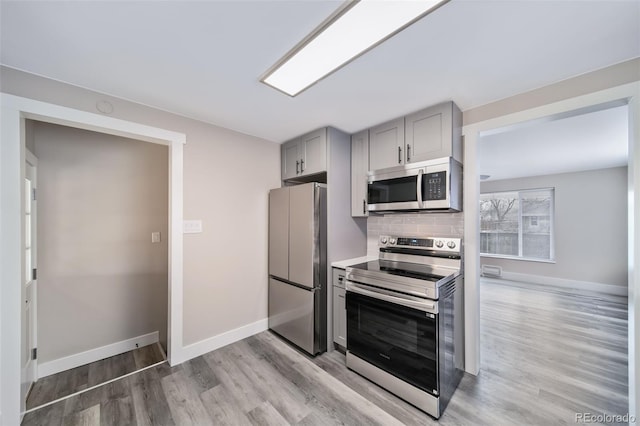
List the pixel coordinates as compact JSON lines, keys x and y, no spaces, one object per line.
{"x":419,"y":188}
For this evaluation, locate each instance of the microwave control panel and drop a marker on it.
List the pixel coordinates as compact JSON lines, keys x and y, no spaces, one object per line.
{"x":434,"y":186}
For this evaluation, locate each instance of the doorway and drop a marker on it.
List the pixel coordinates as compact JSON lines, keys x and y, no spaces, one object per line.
{"x":626,"y":94}
{"x":15,"y":110}
{"x":103,"y":257}
{"x":553,"y":233}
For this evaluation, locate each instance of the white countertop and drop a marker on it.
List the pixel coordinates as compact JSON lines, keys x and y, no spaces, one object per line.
{"x":342,"y":264}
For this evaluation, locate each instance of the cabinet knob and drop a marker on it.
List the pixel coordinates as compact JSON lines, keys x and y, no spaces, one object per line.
{"x":297,"y":166}
{"x":301,"y":166}
{"x":399,"y":155}
{"x":408,"y":153}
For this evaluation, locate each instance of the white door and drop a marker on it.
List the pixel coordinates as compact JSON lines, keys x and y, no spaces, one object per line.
{"x":29,"y":286}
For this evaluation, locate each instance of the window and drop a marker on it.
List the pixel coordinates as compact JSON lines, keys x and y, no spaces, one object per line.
{"x":517,"y":224}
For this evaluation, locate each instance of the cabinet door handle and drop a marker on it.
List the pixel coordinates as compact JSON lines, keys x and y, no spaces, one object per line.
{"x":408,"y":152}
{"x":399,"y":155}
{"x":364,"y":206}
{"x":301,"y":166}
{"x":297,"y":166}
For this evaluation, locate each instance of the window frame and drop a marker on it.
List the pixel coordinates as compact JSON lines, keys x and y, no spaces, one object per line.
{"x":552,"y":221}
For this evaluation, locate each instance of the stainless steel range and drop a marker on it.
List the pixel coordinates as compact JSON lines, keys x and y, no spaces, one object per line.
{"x":405,"y":319}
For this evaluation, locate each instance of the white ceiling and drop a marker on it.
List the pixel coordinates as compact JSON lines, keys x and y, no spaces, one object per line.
{"x":594,"y":140}
{"x":203,"y":59}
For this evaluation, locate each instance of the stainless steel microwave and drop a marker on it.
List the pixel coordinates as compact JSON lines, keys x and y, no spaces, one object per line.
{"x":426,"y":185}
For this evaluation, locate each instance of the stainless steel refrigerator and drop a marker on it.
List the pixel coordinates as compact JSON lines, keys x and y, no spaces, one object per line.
{"x":298,"y":265}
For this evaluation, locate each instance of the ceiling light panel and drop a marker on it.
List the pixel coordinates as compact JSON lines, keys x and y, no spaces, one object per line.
{"x":353,"y":31}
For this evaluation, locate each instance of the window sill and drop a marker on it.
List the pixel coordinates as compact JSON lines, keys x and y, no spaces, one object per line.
{"x":526,"y":259}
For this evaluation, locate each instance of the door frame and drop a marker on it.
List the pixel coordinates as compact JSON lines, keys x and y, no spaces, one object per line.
{"x":626,"y":93}
{"x":30,"y":373}
{"x":15,"y":110}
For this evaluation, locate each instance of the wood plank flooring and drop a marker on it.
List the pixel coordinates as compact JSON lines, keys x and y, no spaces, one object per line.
{"x":68,"y":382}
{"x":546,"y":355}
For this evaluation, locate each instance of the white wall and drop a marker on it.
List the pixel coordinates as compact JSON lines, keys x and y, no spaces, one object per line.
{"x":590,"y":226}
{"x":100,"y":279}
{"x":227,"y":176}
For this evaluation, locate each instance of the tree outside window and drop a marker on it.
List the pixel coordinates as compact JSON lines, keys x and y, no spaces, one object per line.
{"x":517,"y":224}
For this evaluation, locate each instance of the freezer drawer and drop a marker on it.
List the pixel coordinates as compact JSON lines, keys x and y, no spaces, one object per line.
{"x":291,"y":315}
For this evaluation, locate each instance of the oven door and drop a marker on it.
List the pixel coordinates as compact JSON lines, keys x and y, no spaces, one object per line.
{"x":398,"y":334}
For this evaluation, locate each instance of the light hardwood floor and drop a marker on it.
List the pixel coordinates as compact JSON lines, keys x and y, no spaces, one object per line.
{"x":68,"y":382}
{"x":546,"y":355}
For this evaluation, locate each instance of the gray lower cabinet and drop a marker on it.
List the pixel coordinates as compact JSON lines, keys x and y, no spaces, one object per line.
{"x":359,"y":168}
{"x":339,"y":308}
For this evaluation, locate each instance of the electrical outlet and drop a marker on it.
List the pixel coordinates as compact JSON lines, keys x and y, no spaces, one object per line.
{"x":155,"y":237}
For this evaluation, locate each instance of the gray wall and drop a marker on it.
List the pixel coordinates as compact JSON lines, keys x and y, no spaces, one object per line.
{"x":590,"y":226}
{"x":227,"y":176}
{"x":100,"y":279}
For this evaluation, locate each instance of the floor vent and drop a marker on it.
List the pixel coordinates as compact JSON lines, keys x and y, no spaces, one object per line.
{"x":491,"y":271}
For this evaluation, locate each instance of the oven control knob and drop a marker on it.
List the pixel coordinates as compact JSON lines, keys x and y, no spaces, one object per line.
{"x":439,"y":244}
{"x":451,"y":245}
{"x":383,"y":240}
{"x":392,"y":240}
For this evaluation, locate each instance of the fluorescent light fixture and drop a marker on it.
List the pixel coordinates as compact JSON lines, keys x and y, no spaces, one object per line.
{"x":351,"y":31}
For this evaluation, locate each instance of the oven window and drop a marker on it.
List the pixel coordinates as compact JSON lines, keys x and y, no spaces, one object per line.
{"x":397,"y":339}
{"x":398,"y":190}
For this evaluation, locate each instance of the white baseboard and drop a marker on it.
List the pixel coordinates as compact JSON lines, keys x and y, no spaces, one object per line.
{"x":616,"y":290}
{"x":211,"y":344}
{"x":72,"y":361}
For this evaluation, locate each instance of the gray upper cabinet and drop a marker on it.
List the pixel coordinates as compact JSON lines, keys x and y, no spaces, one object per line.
{"x":314,"y":146}
{"x":305,"y":155}
{"x":431,"y":133}
{"x":291,"y":159}
{"x":359,"y":168}
{"x":386,"y":145}
{"x":434,"y":132}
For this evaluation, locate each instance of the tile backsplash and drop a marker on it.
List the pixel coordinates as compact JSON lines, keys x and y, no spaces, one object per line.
{"x":412,"y":225}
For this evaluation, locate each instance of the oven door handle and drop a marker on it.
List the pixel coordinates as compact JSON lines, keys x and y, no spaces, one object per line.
{"x":407,"y":301}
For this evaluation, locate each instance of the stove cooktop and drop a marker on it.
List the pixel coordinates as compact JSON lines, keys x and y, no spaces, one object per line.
{"x":401,"y":269}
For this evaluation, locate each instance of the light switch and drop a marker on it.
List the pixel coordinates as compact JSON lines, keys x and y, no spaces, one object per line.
{"x":191,"y":226}
{"x":155,"y":237}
